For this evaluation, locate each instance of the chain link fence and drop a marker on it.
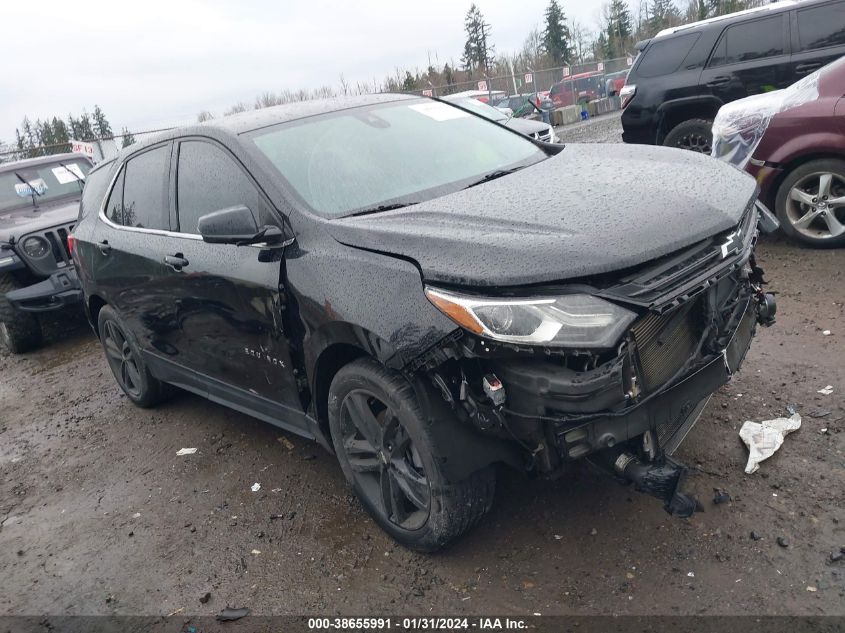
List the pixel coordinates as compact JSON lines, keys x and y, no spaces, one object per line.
{"x":532,"y":81}
{"x":102,"y":149}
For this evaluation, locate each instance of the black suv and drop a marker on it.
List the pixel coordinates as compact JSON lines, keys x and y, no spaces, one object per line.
{"x":684,"y":75}
{"x":372,"y":273}
{"x":39,"y":205}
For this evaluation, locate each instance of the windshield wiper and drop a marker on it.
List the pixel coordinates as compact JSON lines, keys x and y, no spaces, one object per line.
{"x":33,"y":191}
{"x":493,"y":175}
{"x":79,"y":180}
{"x":381,"y":207}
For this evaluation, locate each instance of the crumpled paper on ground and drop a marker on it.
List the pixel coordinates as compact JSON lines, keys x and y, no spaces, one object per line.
{"x":764,"y":438}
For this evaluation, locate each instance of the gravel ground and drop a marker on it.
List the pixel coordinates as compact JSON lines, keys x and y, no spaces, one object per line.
{"x":98,"y":515}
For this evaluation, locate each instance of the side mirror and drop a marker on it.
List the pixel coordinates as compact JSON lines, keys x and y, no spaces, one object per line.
{"x":228,"y":226}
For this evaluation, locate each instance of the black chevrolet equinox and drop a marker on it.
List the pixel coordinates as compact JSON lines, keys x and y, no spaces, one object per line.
{"x":387,"y":275}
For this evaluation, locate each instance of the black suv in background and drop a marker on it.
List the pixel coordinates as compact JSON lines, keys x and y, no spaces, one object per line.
{"x":39,"y":205}
{"x":685,"y":74}
{"x":366,"y":272}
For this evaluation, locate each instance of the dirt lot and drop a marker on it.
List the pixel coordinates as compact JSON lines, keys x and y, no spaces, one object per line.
{"x":99,"y":515}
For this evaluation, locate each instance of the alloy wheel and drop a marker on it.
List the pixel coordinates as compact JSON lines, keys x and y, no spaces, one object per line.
{"x":816,"y":205}
{"x":695,"y":143}
{"x":385,"y":464}
{"x":122,"y":359}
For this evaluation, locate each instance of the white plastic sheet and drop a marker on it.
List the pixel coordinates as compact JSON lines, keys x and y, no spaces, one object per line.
{"x":740,"y":125}
{"x":763,"y":439}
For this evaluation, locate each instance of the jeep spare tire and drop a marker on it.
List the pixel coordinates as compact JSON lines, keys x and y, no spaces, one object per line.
{"x":19,"y":331}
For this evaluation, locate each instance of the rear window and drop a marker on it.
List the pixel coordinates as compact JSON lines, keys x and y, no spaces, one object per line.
{"x":666,"y":56}
{"x":822,"y":27}
{"x":749,"y":41}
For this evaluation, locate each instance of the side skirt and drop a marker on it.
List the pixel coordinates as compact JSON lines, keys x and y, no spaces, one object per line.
{"x":240,"y":400}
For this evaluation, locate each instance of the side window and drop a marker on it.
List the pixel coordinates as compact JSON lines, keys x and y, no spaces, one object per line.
{"x":750,"y":40}
{"x":821,"y":27}
{"x":665,"y":56}
{"x":209,"y":179}
{"x":114,"y":206}
{"x":96,"y":184}
{"x":145,"y":203}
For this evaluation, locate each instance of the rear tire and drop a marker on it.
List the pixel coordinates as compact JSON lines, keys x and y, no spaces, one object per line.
{"x":20,"y":332}
{"x":127,"y":364}
{"x":806,"y":216}
{"x":389,"y":456}
{"x":695,"y":135}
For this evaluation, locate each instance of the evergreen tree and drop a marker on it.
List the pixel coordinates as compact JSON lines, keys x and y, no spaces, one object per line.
{"x":102,"y":128}
{"x":619,"y":28}
{"x":409,"y":83}
{"x":128,"y":138}
{"x":86,"y":130}
{"x":662,"y":14}
{"x":556,"y":36}
{"x":478,"y":51}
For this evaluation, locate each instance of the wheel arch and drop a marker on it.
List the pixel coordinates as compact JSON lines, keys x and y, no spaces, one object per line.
{"x":673,"y":113}
{"x":94,"y":304}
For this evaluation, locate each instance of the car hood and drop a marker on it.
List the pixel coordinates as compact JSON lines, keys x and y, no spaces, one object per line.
{"x":528,"y":126}
{"x":591,"y":209}
{"x":25,"y":220}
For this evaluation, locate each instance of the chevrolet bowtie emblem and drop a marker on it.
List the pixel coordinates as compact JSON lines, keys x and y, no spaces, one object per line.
{"x":732,"y":244}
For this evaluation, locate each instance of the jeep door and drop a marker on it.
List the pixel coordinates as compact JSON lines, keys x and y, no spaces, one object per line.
{"x":749,"y":58}
{"x":225,"y":299}
{"x":131,"y":235}
{"x":818,"y":36}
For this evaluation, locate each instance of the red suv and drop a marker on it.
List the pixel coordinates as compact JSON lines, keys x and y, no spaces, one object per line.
{"x":793,"y":142}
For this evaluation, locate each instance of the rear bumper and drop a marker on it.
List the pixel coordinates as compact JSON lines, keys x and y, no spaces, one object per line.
{"x":60,"y":290}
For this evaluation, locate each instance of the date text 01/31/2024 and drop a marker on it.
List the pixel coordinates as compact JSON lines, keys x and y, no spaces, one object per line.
{"x":416,"y":624}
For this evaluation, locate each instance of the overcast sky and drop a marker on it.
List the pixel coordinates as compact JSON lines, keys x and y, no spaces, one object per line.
{"x":159,"y":62}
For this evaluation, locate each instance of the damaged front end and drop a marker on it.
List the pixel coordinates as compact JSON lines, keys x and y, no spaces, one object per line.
{"x":675,"y":330}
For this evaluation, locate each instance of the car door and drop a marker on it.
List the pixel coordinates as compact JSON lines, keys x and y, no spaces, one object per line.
{"x":818,"y":37}
{"x":227,"y":302}
{"x":749,"y":58}
{"x":132,"y":235}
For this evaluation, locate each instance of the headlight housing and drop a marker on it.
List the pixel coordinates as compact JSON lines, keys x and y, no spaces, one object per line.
{"x":36,"y":247}
{"x":574,"y":321}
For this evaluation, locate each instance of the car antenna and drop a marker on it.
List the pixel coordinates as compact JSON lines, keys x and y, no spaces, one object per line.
{"x":32,"y":189}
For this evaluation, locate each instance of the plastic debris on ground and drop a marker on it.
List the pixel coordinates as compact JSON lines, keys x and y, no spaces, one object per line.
{"x":763,"y":439}
{"x":826,"y":391}
{"x":286,"y":443}
{"x":186,"y":451}
{"x":228,"y":614}
{"x":255,"y":487}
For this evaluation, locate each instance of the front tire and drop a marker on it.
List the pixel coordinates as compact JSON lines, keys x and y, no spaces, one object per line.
{"x":695,"y":135}
{"x":126,"y":363}
{"x":810,"y":203}
{"x":389,"y":456}
{"x":20,"y":332}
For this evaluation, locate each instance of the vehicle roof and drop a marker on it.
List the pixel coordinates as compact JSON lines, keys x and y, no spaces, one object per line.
{"x":775,"y":6}
{"x":41,"y":160}
{"x":255,"y":119}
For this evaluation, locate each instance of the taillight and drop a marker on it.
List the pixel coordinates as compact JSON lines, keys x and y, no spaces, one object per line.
{"x":71,"y":242}
{"x":627,"y":93}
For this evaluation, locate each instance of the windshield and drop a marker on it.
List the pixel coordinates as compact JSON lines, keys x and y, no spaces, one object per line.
{"x":483,"y":109}
{"x":363,"y":158}
{"x":48,"y":180}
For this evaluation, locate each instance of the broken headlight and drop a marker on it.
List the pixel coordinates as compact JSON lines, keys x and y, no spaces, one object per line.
{"x":576,"y":321}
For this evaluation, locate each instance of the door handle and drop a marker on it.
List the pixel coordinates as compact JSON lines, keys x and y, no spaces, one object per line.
{"x":104,"y":247}
{"x":807,"y":68}
{"x":177,"y":262}
{"x":719,"y":81}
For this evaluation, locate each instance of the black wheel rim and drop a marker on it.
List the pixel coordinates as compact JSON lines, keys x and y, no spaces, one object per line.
{"x":121,"y":359}
{"x":696,"y":143}
{"x":385,"y":464}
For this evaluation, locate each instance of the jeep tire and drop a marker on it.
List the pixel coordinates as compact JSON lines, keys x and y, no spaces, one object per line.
{"x":695,"y":135}
{"x":19,"y":331}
